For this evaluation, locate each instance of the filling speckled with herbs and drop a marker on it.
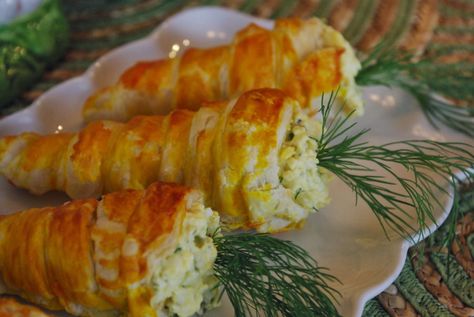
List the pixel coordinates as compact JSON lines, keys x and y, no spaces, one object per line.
{"x":299,"y":171}
{"x":184,"y":281}
{"x":302,"y":187}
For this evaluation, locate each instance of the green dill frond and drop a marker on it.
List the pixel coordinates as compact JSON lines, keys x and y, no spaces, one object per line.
{"x":431,"y":82}
{"x":298,"y":192}
{"x":373,"y":172}
{"x":266,"y":276}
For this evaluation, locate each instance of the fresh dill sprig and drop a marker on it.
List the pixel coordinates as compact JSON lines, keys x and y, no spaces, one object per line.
{"x":429,"y":165}
{"x":266,"y":276}
{"x":429,"y":81}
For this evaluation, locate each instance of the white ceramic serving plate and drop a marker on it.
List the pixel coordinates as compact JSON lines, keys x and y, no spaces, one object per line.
{"x":343,"y":237}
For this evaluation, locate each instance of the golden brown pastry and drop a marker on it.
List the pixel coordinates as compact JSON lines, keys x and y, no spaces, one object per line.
{"x":305,"y":58}
{"x":134,"y":253}
{"x":253,"y":157}
{"x":12,"y":308}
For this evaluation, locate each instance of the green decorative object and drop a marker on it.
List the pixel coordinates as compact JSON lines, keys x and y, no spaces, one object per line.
{"x":28,"y":45}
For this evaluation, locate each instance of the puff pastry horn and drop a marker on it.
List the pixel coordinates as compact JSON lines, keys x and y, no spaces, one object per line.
{"x":134,"y":253}
{"x":253,"y":158}
{"x":305,"y":58}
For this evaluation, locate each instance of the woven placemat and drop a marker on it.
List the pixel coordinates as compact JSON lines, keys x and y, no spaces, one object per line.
{"x":424,"y":26}
{"x":436,"y":280}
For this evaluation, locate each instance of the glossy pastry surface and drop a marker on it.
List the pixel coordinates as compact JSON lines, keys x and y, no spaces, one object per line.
{"x":253,"y":157}
{"x":133,"y":253}
{"x":305,"y":58}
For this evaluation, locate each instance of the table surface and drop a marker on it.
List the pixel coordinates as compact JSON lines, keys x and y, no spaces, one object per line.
{"x":426,"y":26}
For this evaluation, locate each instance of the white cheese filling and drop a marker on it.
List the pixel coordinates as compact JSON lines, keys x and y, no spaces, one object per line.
{"x":301,"y":189}
{"x":299,"y":171}
{"x":184,"y":281}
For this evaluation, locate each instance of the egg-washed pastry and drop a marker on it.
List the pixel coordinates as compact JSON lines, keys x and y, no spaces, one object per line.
{"x":134,"y":253}
{"x":305,"y":58}
{"x":9,"y":307}
{"x":253,"y":157}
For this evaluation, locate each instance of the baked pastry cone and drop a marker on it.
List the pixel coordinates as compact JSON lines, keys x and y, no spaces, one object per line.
{"x":253,"y":157}
{"x":305,"y":58}
{"x":12,"y":308}
{"x":133,"y":253}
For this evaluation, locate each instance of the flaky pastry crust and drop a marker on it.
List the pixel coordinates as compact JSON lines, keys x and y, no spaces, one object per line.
{"x":230,"y":151}
{"x":304,"y":58}
{"x":94,"y":258}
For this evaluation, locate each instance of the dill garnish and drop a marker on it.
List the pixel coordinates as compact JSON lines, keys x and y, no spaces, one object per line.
{"x":429,"y":81}
{"x":266,"y":276}
{"x":298,"y":192}
{"x":430,"y":166}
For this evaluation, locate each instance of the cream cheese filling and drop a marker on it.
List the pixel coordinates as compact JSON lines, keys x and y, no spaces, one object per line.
{"x":184,"y":281}
{"x":299,"y":171}
{"x":302,"y":187}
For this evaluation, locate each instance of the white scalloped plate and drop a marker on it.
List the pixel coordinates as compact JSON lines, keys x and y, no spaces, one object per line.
{"x":343,"y":237}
